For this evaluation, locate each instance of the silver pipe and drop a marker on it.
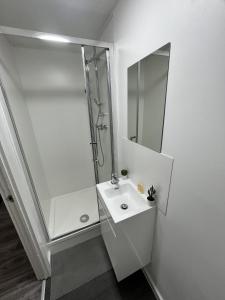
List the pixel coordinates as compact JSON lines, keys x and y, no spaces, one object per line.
{"x":26,"y":166}
{"x":90,"y":113}
{"x":110,"y":110}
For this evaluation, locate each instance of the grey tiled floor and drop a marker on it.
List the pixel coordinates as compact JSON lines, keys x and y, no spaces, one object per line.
{"x":105,"y":287}
{"x":78,"y":265}
{"x":84,"y":272}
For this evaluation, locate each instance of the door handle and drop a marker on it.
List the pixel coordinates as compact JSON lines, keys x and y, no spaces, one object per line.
{"x":10,"y":198}
{"x":132,"y":138}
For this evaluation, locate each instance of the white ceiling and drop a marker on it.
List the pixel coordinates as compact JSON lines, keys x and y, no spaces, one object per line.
{"x":81,"y":18}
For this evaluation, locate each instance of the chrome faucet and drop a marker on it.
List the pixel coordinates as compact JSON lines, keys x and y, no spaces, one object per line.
{"x":115,"y":181}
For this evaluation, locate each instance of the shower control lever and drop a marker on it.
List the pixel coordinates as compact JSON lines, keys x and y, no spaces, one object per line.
{"x":102,"y":126}
{"x":10,"y":198}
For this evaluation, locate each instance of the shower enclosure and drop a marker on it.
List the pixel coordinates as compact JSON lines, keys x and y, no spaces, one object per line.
{"x":59,"y":100}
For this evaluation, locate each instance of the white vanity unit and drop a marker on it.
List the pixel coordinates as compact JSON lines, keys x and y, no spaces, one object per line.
{"x":127,"y":226}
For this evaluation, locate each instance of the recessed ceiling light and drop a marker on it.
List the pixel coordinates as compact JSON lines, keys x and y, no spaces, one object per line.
{"x":53,"y":38}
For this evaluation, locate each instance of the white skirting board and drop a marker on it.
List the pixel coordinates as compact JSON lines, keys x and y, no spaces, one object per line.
{"x":152,"y":284}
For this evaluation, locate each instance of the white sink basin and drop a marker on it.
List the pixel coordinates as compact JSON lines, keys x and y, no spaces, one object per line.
{"x":126,"y":194}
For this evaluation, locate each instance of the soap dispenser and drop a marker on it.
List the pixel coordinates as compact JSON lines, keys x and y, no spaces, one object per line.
{"x":151,"y":193}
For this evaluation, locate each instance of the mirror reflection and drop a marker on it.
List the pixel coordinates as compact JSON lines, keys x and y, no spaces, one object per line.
{"x":147,"y":85}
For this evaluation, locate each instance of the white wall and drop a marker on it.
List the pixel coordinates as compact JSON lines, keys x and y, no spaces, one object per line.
{"x":12,"y":84}
{"x":188,"y":257}
{"x":53,"y":83}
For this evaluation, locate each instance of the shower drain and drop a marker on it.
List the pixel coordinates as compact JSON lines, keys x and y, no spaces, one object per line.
{"x":84,"y":218}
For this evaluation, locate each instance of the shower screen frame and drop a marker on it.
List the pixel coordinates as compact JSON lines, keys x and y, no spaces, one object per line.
{"x":76,"y":41}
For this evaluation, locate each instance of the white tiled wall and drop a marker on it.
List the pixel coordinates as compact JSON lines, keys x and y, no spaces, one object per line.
{"x":149,"y":168}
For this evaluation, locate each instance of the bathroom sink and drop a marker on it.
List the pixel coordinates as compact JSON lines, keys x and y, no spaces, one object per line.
{"x":127,"y":225}
{"x":125,"y":202}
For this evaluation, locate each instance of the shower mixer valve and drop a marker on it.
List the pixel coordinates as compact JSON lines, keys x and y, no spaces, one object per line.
{"x":102,"y":127}
{"x":103,"y":114}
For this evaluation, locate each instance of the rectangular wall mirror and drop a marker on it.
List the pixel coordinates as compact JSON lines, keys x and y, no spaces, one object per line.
{"x":147,"y":86}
